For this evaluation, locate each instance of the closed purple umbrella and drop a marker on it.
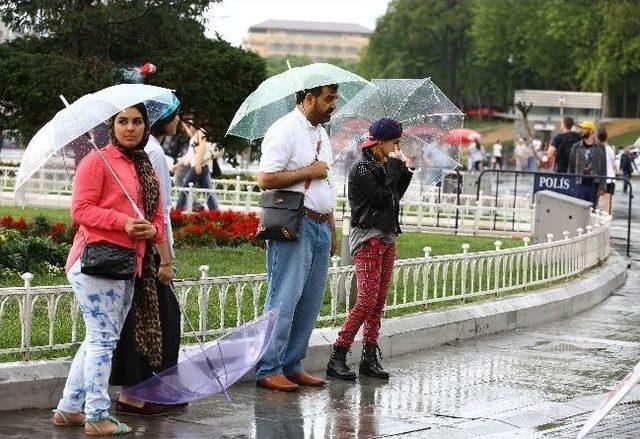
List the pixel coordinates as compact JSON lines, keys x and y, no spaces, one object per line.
{"x":211,"y":368}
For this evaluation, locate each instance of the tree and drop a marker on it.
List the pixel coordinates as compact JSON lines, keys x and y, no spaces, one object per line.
{"x":212,"y":78}
{"x":278,"y":64}
{"x":84,"y":43}
{"x":533,"y":44}
{"x":421,"y":38}
{"x":32,"y":81}
{"x":614,"y":65}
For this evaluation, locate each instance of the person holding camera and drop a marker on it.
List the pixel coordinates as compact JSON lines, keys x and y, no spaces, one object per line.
{"x":588,"y":157}
{"x":201,"y":163}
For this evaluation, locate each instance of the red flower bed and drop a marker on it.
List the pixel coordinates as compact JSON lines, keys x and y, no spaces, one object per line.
{"x":40,"y":226}
{"x":223,"y":228}
{"x":9,"y":222}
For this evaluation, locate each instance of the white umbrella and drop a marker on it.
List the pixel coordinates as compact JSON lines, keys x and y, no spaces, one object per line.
{"x":58,"y":146}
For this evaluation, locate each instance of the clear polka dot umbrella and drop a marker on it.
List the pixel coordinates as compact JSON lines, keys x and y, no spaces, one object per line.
{"x":51,"y":157}
{"x":427,"y":116}
{"x":276,"y":96}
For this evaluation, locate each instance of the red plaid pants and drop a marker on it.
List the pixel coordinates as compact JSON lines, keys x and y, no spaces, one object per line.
{"x":374,"y":266}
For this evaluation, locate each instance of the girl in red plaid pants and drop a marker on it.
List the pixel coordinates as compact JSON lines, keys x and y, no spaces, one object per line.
{"x":376,"y":184}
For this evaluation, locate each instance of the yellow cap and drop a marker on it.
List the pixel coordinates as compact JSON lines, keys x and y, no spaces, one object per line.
{"x":588,"y":124}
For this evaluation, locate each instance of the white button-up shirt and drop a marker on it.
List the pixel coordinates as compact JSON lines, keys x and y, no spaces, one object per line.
{"x":290,"y":144}
{"x":159,"y":162}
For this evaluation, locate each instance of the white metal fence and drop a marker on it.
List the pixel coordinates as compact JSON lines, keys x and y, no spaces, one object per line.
{"x":435,"y":209}
{"x":47,"y":318}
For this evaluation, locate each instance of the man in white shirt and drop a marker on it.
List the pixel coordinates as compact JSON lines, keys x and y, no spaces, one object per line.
{"x":605,"y":198}
{"x":296,"y":149}
{"x":522,"y":153}
{"x":497,"y":155}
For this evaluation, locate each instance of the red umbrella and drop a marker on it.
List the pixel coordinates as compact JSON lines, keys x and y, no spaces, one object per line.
{"x":462,"y":136}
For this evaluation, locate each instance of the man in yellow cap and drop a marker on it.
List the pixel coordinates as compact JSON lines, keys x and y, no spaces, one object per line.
{"x":588,"y":157}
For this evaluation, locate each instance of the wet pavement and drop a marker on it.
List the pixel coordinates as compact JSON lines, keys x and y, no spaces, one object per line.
{"x":537,"y":382}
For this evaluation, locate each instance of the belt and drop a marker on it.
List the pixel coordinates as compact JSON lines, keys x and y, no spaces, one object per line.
{"x":315,"y":216}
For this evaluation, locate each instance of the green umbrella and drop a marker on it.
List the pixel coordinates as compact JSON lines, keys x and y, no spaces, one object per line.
{"x":276,"y":96}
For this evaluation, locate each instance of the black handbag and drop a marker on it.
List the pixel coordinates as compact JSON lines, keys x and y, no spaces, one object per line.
{"x":282,"y":212}
{"x":215,"y":169}
{"x":108,"y":260}
{"x":281,"y":216}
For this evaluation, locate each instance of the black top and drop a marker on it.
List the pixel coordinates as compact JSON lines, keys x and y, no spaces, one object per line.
{"x":563,"y":143}
{"x":375,"y":191}
{"x":626,"y":163}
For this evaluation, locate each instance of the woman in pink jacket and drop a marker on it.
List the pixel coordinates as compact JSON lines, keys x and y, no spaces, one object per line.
{"x":106,"y":216}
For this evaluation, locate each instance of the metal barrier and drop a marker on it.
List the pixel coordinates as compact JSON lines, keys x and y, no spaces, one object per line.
{"x":48,"y":318}
{"x":499,"y":172}
{"x":435,"y":210}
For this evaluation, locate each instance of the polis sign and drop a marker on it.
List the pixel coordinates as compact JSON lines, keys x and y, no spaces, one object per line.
{"x":557,"y":183}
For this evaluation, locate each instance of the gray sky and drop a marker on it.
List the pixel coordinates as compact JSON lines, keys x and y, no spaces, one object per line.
{"x":232,"y":18}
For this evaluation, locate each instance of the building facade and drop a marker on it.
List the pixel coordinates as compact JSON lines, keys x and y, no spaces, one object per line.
{"x":319,"y":41}
{"x":550,"y":106}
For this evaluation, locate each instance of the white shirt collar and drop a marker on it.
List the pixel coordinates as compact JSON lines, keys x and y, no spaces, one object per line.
{"x":299,"y":115}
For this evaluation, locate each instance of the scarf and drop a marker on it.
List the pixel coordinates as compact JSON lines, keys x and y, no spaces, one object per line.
{"x":146,"y":314}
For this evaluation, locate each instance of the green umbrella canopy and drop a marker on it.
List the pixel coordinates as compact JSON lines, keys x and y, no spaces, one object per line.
{"x":276,"y":96}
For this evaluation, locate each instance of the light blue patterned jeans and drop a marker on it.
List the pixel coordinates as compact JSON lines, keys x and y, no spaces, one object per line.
{"x":104,"y":304}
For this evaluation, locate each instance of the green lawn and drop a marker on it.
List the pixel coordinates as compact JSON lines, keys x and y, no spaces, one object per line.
{"x":56,"y":215}
{"x":624,"y":139}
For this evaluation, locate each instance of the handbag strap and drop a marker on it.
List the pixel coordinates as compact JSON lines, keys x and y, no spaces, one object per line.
{"x":308,"y":182}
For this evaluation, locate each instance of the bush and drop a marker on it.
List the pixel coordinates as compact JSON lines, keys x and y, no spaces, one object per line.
{"x":36,"y":254}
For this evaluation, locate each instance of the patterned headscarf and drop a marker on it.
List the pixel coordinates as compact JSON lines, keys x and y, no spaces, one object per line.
{"x":146,"y":314}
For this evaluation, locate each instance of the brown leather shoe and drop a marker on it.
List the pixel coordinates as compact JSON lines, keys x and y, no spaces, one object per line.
{"x":277,"y":382}
{"x":302,"y":378}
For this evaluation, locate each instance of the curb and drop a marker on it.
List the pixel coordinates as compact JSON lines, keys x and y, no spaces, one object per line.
{"x":39,"y":384}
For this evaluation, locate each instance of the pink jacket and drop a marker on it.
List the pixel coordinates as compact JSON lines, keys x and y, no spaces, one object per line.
{"x":100,"y":208}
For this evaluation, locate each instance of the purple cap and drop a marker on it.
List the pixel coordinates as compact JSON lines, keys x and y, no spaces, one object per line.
{"x":381,"y":130}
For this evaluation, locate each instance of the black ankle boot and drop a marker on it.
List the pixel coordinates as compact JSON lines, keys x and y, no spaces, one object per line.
{"x":369,"y":364}
{"x":337,"y":365}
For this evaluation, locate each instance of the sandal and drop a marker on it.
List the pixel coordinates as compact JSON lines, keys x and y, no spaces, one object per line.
{"x":120,"y":427}
{"x":65,"y":420}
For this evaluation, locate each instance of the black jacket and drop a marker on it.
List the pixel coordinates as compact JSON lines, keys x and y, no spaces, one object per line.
{"x":375,"y":191}
{"x":626,"y":164}
{"x":591,"y":160}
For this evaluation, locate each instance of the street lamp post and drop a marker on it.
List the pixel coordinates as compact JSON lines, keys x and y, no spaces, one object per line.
{"x":561,"y":102}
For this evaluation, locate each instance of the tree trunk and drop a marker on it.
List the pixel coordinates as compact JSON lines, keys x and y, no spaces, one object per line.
{"x":625,"y":95}
{"x":605,"y":100}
